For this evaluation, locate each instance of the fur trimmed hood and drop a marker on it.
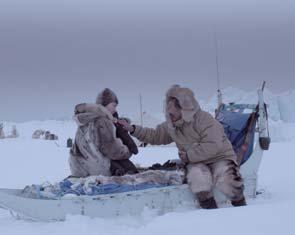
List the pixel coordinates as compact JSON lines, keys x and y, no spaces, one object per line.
{"x":85,"y":113}
{"x":186,"y":98}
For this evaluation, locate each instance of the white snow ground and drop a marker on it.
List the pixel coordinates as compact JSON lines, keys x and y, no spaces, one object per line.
{"x":26,"y":161}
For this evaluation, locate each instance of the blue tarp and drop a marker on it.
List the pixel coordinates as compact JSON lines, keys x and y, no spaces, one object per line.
{"x":66,"y":187}
{"x":235,"y":127}
{"x":97,"y":185}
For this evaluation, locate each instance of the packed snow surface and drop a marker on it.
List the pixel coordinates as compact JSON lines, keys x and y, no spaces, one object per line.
{"x":25,"y":161}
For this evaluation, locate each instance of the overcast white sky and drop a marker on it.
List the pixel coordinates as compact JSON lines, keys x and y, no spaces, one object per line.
{"x":56,"y":53}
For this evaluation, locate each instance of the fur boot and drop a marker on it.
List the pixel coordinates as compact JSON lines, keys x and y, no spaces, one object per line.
{"x":206,"y":200}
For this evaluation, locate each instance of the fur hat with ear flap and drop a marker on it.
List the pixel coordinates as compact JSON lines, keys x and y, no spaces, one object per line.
{"x":106,"y":97}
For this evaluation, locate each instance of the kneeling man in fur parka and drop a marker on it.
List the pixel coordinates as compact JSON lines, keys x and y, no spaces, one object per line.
{"x":208,"y":154}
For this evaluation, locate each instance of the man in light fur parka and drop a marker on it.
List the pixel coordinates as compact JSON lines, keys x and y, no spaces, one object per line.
{"x":208,"y":154}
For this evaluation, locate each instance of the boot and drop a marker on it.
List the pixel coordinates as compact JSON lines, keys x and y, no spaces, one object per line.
{"x":206,"y":200}
{"x":209,"y":203}
{"x":240,"y":202}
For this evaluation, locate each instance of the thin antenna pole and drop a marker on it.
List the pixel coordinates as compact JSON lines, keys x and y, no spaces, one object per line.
{"x":140,"y":106}
{"x":219,"y":94}
{"x":263,"y":85}
{"x":216,"y":61}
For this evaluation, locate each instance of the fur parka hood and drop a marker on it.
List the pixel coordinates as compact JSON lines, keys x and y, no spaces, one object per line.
{"x":85,"y":113}
{"x":188,"y":103}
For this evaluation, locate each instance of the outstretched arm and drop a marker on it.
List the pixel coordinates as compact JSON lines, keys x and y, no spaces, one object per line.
{"x":156,"y":136}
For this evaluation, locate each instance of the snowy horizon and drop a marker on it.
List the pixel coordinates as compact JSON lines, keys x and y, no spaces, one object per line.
{"x":280,"y":106}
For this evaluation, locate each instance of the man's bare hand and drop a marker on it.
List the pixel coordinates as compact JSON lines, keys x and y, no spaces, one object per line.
{"x":183,"y":156}
{"x":125,"y":125}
